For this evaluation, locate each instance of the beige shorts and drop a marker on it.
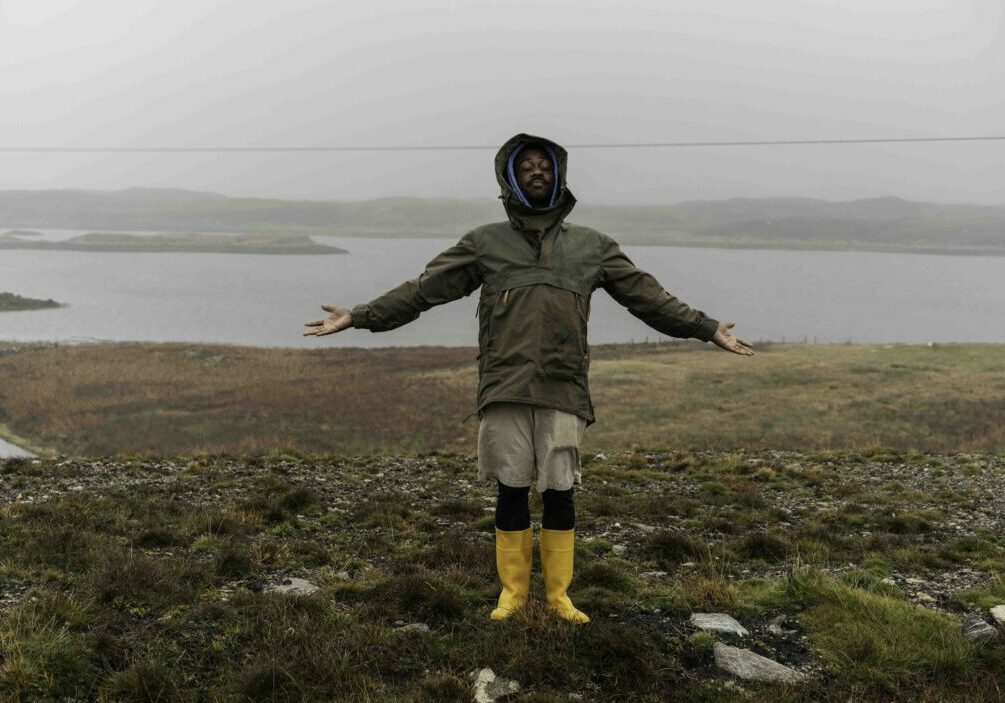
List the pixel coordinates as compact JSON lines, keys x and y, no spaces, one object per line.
{"x":520,"y":444}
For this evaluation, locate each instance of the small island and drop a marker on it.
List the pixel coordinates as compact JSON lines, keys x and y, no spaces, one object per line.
{"x":10,"y":302}
{"x":177,"y":242}
{"x":22,"y":233}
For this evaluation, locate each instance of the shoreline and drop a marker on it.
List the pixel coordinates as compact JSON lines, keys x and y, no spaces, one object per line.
{"x":24,"y":445}
{"x":624,"y":240}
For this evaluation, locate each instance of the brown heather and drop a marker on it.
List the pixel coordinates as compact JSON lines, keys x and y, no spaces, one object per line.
{"x":174,"y":398}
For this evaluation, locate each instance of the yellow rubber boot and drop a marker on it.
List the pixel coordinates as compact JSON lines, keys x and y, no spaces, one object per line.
{"x":557,"y":552}
{"x":514,"y":557}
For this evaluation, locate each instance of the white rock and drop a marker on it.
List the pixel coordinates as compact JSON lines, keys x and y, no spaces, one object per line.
{"x":600,"y":457}
{"x":748,"y":665}
{"x":619,"y":549}
{"x":975,"y":628}
{"x":923,"y":597}
{"x":295,"y":586}
{"x":419,"y":627}
{"x":718,"y":622}
{"x":489,"y":688}
{"x":998,"y":613}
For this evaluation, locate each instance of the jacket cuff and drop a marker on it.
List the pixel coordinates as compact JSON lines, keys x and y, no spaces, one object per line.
{"x":361,"y":316}
{"x":706,"y":330}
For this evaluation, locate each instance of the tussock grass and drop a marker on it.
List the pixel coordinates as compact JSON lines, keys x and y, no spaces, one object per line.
{"x":121,"y":591}
{"x":881,"y":644}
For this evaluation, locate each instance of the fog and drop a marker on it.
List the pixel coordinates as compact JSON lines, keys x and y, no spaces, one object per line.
{"x":110,"y":73}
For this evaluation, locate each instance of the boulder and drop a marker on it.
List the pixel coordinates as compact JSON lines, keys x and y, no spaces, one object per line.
{"x":718,"y":622}
{"x":975,"y":627}
{"x":998,"y":613}
{"x":750,"y":666}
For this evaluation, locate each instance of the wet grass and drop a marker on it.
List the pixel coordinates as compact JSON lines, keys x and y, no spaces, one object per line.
{"x":150,"y":582}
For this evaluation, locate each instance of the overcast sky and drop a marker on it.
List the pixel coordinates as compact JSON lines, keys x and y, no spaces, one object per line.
{"x":241,"y":73}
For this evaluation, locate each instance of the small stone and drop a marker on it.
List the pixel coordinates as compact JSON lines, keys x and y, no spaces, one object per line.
{"x":418,"y":627}
{"x":619,"y":549}
{"x":295,"y":586}
{"x":648,"y":529}
{"x":976,"y":628}
{"x":653,"y":574}
{"x":600,"y":457}
{"x":747,"y":665}
{"x":998,"y":613}
{"x":718,"y":622}
{"x":911,"y":581}
{"x":489,"y":688}
{"x":923,"y":597}
{"x":889,"y":581}
{"x":688,"y":564}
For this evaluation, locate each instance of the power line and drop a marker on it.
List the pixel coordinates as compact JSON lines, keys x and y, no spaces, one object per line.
{"x":473,"y":147}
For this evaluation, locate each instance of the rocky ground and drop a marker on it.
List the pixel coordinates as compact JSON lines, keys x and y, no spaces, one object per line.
{"x":662,"y":536}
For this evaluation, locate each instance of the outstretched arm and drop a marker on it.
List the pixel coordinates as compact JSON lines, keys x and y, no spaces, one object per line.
{"x":647,"y":300}
{"x":452,"y":274}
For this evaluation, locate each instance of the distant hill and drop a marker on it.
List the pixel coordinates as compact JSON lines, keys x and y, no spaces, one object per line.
{"x":879,"y":224}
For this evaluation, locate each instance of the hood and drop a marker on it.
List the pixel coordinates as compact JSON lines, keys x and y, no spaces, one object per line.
{"x":521,"y":215}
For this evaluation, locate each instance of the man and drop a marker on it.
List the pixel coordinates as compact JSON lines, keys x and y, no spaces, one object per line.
{"x":536,"y":274}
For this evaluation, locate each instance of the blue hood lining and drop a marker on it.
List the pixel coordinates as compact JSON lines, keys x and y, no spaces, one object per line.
{"x":511,"y":174}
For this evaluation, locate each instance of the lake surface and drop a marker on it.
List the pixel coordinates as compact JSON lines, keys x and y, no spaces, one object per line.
{"x":263,"y":300}
{"x":8,"y":450}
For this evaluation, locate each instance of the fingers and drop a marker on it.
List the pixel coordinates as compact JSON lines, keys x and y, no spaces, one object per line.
{"x":328,"y":308}
{"x":314,"y":323}
{"x":730,"y":324}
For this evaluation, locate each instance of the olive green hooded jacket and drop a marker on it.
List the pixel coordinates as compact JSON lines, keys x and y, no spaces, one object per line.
{"x":536,"y":273}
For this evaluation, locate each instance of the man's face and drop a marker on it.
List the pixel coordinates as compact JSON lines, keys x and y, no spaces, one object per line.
{"x":535,"y":176}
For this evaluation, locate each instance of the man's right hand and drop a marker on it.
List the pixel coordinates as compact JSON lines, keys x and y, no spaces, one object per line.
{"x":340,"y":319}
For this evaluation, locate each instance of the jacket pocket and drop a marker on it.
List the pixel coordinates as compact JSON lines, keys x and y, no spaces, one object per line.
{"x":563,"y":341}
{"x":488,"y":309}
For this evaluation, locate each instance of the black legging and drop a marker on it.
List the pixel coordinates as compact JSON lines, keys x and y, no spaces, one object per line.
{"x":513,"y":509}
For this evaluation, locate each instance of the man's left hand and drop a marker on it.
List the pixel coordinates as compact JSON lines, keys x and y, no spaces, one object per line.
{"x":727,"y":341}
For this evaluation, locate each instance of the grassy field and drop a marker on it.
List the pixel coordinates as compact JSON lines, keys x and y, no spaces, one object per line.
{"x":139,"y":579}
{"x":168,"y":399}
